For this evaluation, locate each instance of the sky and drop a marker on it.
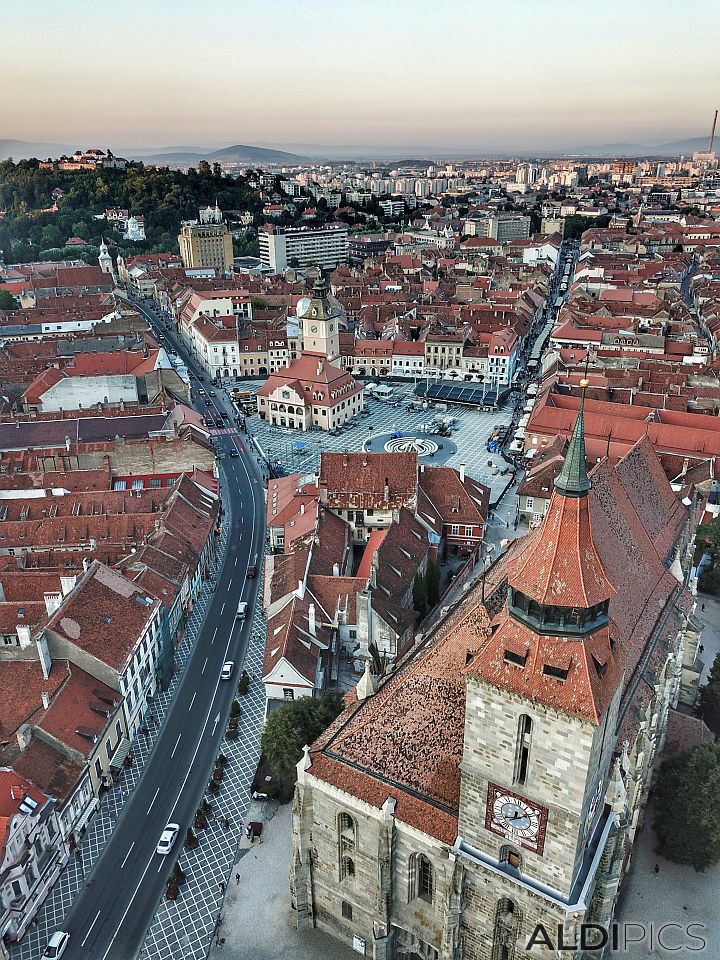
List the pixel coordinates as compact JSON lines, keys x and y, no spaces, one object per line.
{"x":470,"y":75}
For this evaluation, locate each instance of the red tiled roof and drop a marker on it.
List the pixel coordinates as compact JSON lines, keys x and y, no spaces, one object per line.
{"x":387,"y":745}
{"x":357,"y":480}
{"x":561,"y":566}
{"x":104,"y":615}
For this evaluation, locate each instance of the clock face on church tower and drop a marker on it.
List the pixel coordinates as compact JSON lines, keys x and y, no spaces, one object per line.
{"x":519,"y":820}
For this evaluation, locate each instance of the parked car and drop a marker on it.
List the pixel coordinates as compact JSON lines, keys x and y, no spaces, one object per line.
{"x":252,"y":571}
{"x":167,"y":839}
{"x":57,"y":944}
{"x":227,"y":670}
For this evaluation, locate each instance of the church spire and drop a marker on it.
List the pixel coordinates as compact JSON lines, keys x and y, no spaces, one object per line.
{"x":572,"y":481}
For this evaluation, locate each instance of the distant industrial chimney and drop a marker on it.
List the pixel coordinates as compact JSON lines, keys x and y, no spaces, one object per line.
{"x":712,"y":133}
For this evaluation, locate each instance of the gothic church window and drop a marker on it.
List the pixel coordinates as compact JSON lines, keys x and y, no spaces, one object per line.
{"x":347,"y":837}
{"x":421,"y":878}
{"x":522,"y":756}
{"x":507,"y":924}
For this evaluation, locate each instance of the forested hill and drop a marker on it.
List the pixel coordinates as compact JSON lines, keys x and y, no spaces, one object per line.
{"x":29,"y":229}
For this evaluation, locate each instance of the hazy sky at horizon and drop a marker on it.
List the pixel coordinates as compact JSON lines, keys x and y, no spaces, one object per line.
{"x":464,"y":74}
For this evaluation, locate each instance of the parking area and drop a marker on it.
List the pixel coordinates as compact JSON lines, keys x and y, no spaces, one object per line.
{"x":297,"y":451}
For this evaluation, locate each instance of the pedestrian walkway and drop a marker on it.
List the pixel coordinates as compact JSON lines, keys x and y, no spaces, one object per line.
{"x":256,"y":921}
{"x":78,"y":869}
{"x":185,"y":927}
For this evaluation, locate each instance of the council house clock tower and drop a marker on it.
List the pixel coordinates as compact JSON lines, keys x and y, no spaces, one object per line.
{"x":321,"y":323}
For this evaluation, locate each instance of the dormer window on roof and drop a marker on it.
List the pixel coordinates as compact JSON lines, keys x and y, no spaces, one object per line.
{"x":559,"y":673}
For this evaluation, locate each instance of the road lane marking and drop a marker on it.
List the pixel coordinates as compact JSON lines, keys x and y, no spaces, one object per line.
{"x":176,"y":745}
{"x":204,"y":665}
{"x":212,"y":640}
{"x":125,"y":857}
{"x":222,"y":608}
{"x":153,"y":799}
{"x":193,"y":700}
{"x":127,"y":909}
{"x":236,"y":560}
{"x":161,"y":865}
{"x":83,"y":942}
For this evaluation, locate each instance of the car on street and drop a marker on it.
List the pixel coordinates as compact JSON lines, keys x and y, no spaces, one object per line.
{"x":227,"y":670}
{"x":212,"y":393}
{"x":224,"y":414}
{"x":167,"y":839}
{"x":252,"y":571}
{"x":57,"y":944}
{"x":234,"y":453}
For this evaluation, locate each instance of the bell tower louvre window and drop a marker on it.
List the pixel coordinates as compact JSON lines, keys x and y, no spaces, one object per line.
{"x":558,"y":587}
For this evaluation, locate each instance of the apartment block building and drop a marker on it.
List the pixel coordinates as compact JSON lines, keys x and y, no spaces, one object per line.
{"x":302,"y":247}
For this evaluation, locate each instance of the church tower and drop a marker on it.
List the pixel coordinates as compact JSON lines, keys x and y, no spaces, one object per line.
{"x":321,"y":323}
{"x":104,"y":259}
{"x":542,"y":700}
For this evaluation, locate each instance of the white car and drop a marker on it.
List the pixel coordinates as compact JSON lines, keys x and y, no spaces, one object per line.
{"x":168,"y":838}
{"x":56,"y":945}
{"x":227,"y":670}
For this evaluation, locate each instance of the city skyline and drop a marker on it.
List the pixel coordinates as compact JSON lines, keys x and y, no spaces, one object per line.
{"x":401,"y":77}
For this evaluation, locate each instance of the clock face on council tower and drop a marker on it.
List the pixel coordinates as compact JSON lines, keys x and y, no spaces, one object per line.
{"x":519,"y":820}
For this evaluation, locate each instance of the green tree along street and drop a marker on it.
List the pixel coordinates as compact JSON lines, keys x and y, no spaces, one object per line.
{"x":687,"y":807}
{"x":707,"y":541}
{"x":289,"y":729}
{"x":576,"y":226}
{"x":7,"y":301}
{"x":420,"y":594}
{"x":162,"y":196}
{"x":710,"y":698}
{"x":432,"y":581}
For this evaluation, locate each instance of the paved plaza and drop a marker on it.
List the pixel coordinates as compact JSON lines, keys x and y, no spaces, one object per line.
{"x":298,"y":451}
{"x":256,"y":914}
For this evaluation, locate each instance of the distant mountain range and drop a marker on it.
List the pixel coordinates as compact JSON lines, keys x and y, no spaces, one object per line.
{"x":178,"y":156}
{"x":672,"y":149}
{"x":242,"y":153}
{"x":238,"y":153}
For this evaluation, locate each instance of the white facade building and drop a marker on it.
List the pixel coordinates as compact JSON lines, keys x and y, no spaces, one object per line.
{"x":302,"y":247}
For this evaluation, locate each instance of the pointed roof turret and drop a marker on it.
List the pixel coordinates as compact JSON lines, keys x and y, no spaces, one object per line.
{"x":572,"y":481}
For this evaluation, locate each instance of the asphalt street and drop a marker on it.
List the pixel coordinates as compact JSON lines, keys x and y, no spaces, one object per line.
{"x":112,"y":912}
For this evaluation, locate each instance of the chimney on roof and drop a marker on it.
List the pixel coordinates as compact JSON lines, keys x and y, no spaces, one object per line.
{"x":24,"y":736}
{"x":302,"y":509}
{"x":45,"y":699}
{"x":44,"y":655}
{"x":312,"y":625}
{"x":386,"y":491}
{"x":462,"y":473}
{"x":336,"y":569}
{"x":367,"y":685}
{"x":373,"y":570}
